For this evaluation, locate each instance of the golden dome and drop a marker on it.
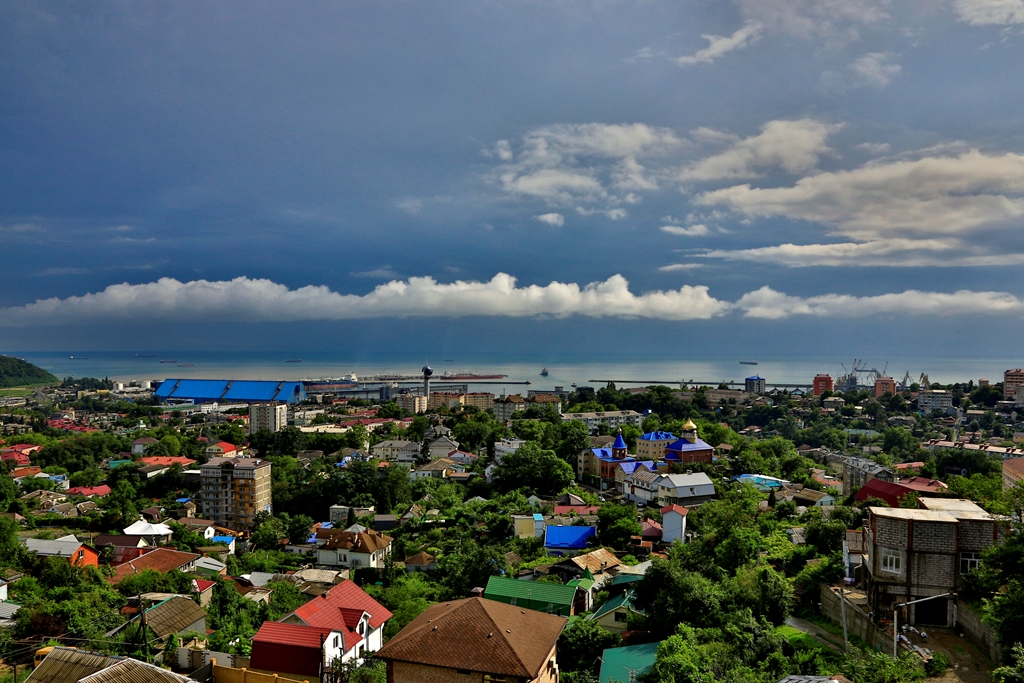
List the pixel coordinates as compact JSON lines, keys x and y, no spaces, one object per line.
{"x":688,"y":426}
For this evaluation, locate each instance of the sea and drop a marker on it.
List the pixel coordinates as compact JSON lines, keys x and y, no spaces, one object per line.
{"x":562,"y":369}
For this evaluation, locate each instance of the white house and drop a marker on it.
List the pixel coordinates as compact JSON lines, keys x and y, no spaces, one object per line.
{"x":673,"y":523}
{"x":688,"y":490}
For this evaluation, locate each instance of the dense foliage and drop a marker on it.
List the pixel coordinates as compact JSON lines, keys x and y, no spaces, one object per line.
{"x":15,"y":372}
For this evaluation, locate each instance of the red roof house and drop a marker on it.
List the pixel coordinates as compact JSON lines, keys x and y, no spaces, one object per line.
{"x":294,"y":649}
{"x":883,"y":490}
{"x":17,"y":457}
{"x":924,"y":485}
{"x":90,"y":491}
{"x":345,"y":608}
{"x":167,"y":460}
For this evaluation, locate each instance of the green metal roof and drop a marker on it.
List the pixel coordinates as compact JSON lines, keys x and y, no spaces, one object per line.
{"x":585,"y":584}
{"x":625,"y":578}
{"x":536,"y":591}
{"x":623,"y":600}
{"x":618,"y":662}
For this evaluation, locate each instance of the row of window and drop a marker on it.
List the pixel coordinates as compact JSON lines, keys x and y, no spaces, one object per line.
{"x":891,"y":561}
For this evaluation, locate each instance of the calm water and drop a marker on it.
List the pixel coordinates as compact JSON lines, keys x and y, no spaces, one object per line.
{"x":562,"y":370}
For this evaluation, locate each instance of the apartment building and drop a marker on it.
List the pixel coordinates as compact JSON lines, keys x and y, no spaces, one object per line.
{"x":859,"y":471}
{"x":505,"y":406}
{"x":913,"y":554}
{"x":612,"y":418}
{"x":412,"y":403}
{"x":934,"y":399}
{"x":269,"y":416}
{"x":1011,"y":380}
{"x":821,"y":384}
{"x":233,"y":490}
{"x":884,"y":385}
{"x":651,"y":446}
{"x":480,"y":399}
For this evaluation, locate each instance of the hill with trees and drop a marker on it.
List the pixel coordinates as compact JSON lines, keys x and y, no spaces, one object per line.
{"x":15,"y":372}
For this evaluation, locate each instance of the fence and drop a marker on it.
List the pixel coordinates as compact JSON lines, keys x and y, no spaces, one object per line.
{"x":857,"y":621}
{"x":979,"y":632}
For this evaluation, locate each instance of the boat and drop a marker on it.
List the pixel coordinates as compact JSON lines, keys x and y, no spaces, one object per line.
{"x":544,"y":372}
{"x":293,"y":360}
{"x":168,"y":361}
{"x":78,"y":357}
{"x":748,"y":362}
{"x":186,"y":365}
{"x":144,"y":355}
{"x":449,"y":360}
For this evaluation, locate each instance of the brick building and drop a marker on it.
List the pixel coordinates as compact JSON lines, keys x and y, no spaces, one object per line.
{"x":821,"y":384}
{"x":913,"y":554}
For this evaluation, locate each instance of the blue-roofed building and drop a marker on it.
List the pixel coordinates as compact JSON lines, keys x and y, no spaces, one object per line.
{"x":601,"y":462}
{"x":625,"y":468}
{"x":754,"y":385}
{"x":229,"y":541}
{"x":689,"y":448}
{"x":651,"y":446}
{"x":567,"y":540}
{"x":627,"y":663}
{"x":620,"y":443}
{"x":229,"y":391}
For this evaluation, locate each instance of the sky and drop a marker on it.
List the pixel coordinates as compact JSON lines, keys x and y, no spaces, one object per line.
{"x":691,"y":177}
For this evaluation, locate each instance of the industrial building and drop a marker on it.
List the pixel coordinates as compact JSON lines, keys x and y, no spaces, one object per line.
{"x":197,"y":391}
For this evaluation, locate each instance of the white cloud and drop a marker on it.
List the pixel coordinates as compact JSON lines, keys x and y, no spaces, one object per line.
{"x":680,"y":266}
{"x":905,"y":253}
{"x":876,"y":69}
{"x":248,"y":300}
{"x":770,"y":304}
{"x":989,"y":12}
{"x":832,"y":19}
{"x":554,"y":219}
{"x":244,"y":299}
{"x":720,"y":45}
{"x":410,"y":205}
{"x":630,"y":175}
{"x":382,"y":273}
{"x":644,"y":54}
{"x":945,"y":195}
{"x":553,"y":184}
{"x":792,"y":145}
{"x":875,"y":147}
{"x":691,"y":231}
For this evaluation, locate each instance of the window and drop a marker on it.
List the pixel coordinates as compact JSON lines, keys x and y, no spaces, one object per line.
{"x":620,"y":617}
{"x":969,"y":562}
{"x":335,"y":641}
{"x":891,"y":560}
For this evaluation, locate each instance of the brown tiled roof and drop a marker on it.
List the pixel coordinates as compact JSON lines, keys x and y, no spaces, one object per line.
{"x":479,"y":635}
{"x":160,"y":560}
{"x":1014,"y":467}
{"x":362,"y":542}
{"x":420,"y":559}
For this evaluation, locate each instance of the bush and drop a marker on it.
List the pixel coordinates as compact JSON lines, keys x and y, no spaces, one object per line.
{"x":937,"y":665}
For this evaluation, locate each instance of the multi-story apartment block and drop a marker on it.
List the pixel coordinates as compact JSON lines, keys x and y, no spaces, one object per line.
{"x":413,"y":403}
{"x":884,"y":385}
{"x":914,"y":554}
{"x":859,"y":471}
{"x":233,"y":490}
{"x":438,"y":399}
{"x":505,"y":406}
{"x":934,"y":399}
{"x":821,"y":384}
{"x":270,"y":416}
{"x":612,"y":418}
{"x":755,"y":384}
{"x":479,"y":399}
{"x":1011,"y":380}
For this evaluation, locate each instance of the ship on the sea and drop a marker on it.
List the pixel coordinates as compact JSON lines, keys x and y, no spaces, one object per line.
{"x":468,"y":375}
{"x":168,"y":361}
{"x":327,"y":385}
{"x":748,"y":362}
{"x":544,"y":372}
{"x":293,"y":360}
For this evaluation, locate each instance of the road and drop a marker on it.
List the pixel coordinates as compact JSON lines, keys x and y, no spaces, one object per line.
{"x":816,"y":632}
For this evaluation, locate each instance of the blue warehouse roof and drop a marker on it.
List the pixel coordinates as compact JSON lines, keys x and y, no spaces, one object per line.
{"x":568,"y":537}
{"x":223,"y":390}
{"x":756,"y":377}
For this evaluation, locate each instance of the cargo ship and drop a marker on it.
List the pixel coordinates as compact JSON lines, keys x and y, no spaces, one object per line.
{"x":468,"y":375}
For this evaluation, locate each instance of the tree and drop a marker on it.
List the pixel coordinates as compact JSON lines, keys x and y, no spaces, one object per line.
{"x":616,"y":524}
{"x":532,"y":468}
{"x":119,"y":504}
{"x":298,"y":528}
{"x":581,"y":644}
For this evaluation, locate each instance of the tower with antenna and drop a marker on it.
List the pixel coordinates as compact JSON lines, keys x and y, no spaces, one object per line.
{"x":427,"y":372}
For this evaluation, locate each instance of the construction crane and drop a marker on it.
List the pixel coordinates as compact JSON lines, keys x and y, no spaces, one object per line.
{"x":925,"y":384}
{"x":904,"y":384}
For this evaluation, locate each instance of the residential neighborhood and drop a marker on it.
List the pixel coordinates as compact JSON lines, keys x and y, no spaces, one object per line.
{"x":552,"y":545}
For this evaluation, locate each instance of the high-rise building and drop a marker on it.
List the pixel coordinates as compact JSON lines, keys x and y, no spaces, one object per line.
{"x":1011,"y":380}
{"x":755,"y":384}
{"x":934,"y":399}
{"x":821,"y":384}
{"x":270,"y":416}
{"x":233,"y":490}
{"x":884,"y":385}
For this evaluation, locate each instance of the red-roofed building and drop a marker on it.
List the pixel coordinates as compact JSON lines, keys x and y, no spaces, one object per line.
{"x":89,"y":491}
{"x":651,"y":530}
{"x":903,"y":466}
{"x":167,"y":460}
{"x":882,"y":490}
{"x":25,"y":472}
{"x":159,"y":560}
{"x":204,"y":589}
{"x":673,"y":523}
{"x":17,"y":457}
{"x":578,"y":509}
{"x":223,"y":449}
{"x":298,"y":650}
{"x":345,"y":608}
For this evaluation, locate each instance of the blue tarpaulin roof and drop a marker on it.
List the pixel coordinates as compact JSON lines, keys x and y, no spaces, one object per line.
{"x":568,"y":537}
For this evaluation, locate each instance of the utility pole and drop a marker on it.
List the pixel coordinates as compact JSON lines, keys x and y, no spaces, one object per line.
{"x":842,"y":603}
{"x":896,"y":616}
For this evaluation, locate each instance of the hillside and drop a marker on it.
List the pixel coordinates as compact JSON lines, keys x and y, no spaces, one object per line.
{"x":15,"y":372}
